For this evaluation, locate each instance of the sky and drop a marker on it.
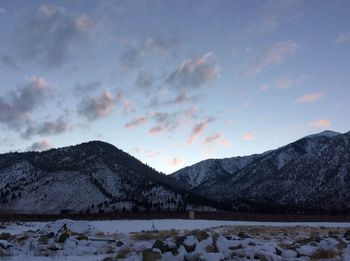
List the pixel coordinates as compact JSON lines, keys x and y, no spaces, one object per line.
{"x":172,"y":82}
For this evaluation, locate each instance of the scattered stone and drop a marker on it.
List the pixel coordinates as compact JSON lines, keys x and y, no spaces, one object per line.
{"x":201,"y":235}
{"x":82,"y":237}
{"x":278,"y":251}
{"x":347,"y":234}
{"x":190,"y":243}
{"x":161,"y":246}
{"x":43,"y":239}
{"x":179,"y":240}
{"x":251,"y":243}
{"x":50,"y":235}
{"x":228,"y":237}
{"x":289,"y":254}
{"x":6,"y":236}
{"x":119,"y":243}
{"x":63,"y":237}
{"x":243,"y":235}
{"x":150,"y":255}
{"x":263,"y":257}
{"x":53,"y":247}
{"x":108,"y":258}
{"x":313,"y":243}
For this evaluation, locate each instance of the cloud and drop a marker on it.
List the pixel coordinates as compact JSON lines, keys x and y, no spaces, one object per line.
{"x":40,"y":146}
{"x":274,"y":55}
{"x":284,"y":83}
{"x":212,"y":138}
{"x":87,"y":87}
{"x":195,"y":72}
{"x":101,"y":106}
{"x":144,"y":80}
{"x":50,"y":36}
{"x":10,"y":62}
{"x":249,"y":136}
{"x":16,"y":107}
{"x":152,"y":154}
{"x":181,"y":98}
{"x":198,"y":129}
{"x":323,"y":123}
{"x":273,"y":13}
{"x":311,"y":97}
{"x":156,"y":129}
{"x":134,"y":53}
{"x":176,"y":161}
{"x":264,"y":88}
{"x":59,"y":126}
{"x":136,"y":122}
{"x":343,"y":38}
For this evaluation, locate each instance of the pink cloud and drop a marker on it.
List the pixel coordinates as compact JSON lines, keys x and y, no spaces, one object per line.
{"x":43,"y":145}
{"x":152,"y":154}
{"x":284,"y":83}
{"x":343,"y":38}
{"x":311,"y":97}
{"x":212,"y":138}
{"x":176,"y":161}
{"x":136,"y":122}
{"x":198,"y":130}
{"x":274,"y":55}
{"x":323,"y":123}
{"x":264,"y":88}
{"x":155,"y":130}
{"x":249,"y":136}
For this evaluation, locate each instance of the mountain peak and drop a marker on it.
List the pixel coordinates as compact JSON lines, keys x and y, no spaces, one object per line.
{"x":325,"y":133}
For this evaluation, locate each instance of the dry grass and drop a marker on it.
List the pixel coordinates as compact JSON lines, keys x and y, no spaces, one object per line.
{"x":322,"y":254}
{"x":7,"y":236}
{"x":124,"y":252}
{"x":161,"y":235}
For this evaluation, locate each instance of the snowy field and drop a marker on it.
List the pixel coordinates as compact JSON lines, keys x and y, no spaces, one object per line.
{"x":174,"y":239}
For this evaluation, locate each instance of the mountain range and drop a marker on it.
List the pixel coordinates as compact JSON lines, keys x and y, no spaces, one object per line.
{"x":311,"y":174}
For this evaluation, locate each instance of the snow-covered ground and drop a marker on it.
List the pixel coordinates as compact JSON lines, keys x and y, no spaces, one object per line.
{"x":176,"y":239}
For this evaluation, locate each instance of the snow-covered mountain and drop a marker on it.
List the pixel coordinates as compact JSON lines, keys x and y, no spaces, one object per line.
{"x":312,"y":173}
{"x":90,"y":177}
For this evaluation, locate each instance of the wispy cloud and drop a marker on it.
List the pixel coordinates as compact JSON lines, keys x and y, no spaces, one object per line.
{"x":264,"y":88}
{"x":212,"y":138}
{"x":195,"y":72}
{"x":198,"y":129}
{"x":322,"y":123}
{"x":311,"y":97}
{"x":176,"y":161}
{"x":43,"y":145}
{"x":16,"y":107}
{"x":136,"y":122}
{"x":343,"y":38}
{"x":284,"y":82}
{"x":59,"y":126}
{"x":101,"y":106}
{"x":249,"y":136}
{"x":274,"y":55}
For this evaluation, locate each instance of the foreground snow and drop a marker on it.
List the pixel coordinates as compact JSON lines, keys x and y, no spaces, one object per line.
{"x":174,"y":240}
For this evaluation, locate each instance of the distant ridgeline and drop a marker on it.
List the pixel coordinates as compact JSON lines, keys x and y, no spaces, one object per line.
{"x":311,"y":175}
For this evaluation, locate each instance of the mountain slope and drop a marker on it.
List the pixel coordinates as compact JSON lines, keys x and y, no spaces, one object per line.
{"x":90,"y":177}
{"x":312,"y":173}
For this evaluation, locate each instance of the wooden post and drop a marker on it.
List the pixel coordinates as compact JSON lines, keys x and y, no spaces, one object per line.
{"x":191,"y":214}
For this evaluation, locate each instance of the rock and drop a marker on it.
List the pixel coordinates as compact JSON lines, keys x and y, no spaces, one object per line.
{"x":251,"y":243}
{"x":278,"y":251}
{"x":243,"y":235}
{"x":228,"y":237}
{"x":201,"y":235}
{"x":82,"y":237}
{"x":2,"y":227}
{"x":119,"y":243}
{"x":161,"y":246}
{"x":313,"y":243}
{"x":150,"y":255}
{"x":53,"y":247}
{"x":289,"y":254}
{"x":63,"y":237}
{"x":347,"y":234}
{"x":306,"y":250}
{"x":108,"y":258}
{"x":50,"y":235}
{"x":179,"y":241}
{"x":190,"y":243}
{"x":6,"y":236}
{"x":263,"y":257}
{"x":43,"y":239}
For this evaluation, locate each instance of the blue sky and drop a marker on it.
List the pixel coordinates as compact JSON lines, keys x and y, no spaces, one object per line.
{"x":172,"y":82}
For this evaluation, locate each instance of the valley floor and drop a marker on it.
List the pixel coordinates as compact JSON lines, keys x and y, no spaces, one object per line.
{"x":173,"y":239}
